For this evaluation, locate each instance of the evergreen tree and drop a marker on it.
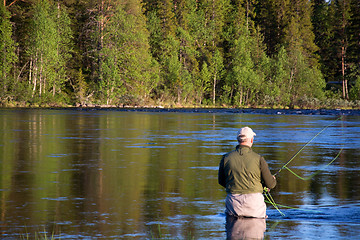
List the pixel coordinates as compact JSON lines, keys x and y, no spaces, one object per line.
{"x":299,"y":34}
{"x":166,"y":49}
{"x":241,"y":52}
{"x":127,"y":66}
{"x":65,"y":49}
{"x":272,"y":17}
{"x":7,"y":53}
{"x":341,"y":41}
{"x":203,"y":84}
{"x":323,"y":31}
{"x":354,"y":47}
{"x":167,"y":17}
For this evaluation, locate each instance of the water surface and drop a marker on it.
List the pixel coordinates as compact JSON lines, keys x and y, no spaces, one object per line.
{"x":109,"y":174}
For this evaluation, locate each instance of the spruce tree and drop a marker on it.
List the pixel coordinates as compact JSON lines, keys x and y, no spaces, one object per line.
{"x":354,"y":48}
{"x":272,"y":16}
{"x":341,"y":41}
{"x":299,"y":34}
{"x":323,"y":31}
{"x":128,"y":71}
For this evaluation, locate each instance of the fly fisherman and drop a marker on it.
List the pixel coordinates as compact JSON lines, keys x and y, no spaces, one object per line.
{"x":244,"y":173}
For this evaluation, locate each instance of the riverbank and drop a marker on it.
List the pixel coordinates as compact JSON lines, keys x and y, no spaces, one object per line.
{"x":330,"y":106}
{"x":227,"y":110}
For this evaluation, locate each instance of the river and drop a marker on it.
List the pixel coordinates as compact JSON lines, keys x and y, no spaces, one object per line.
{"x":152,"y":174}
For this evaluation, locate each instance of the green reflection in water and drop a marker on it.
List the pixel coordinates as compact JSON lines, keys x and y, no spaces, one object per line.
{"x":133,"y":174}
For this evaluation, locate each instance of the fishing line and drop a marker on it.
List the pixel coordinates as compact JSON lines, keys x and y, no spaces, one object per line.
{"x":297,"y":153}
{"x":272,"y":201}
{"x":317,"y":172}
{"x":288,"y":207}
{"x":267,"y":194}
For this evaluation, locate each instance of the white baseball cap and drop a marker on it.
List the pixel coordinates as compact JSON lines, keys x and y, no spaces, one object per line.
{"x":245,"y":133}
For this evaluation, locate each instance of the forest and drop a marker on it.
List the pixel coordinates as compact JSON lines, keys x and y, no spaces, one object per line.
{"x":180,"y":53}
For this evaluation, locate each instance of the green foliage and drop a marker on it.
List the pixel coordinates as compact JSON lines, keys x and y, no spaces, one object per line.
{"x":120,"y":52}
{"x":217,"y":72}
{"x":42,"y":48}
{"x":355,"y":90}
{"x":307,"y":81}
{"x":126,"y":62}
{"x":80,"y":88}
{"x":203,"y":83}
{"x":277,"y":88}
{"x":7,"y":53}
{"x":48,"y":50}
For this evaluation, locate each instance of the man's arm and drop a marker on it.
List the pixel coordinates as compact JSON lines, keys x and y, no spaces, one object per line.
{"x":269,"y":179}
{"x":221,"y":175}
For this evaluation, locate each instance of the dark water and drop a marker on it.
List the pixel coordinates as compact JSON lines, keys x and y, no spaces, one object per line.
{"x":145,"y":174}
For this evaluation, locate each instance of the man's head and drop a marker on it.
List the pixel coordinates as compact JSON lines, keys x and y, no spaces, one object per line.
{"x":245,"y":136}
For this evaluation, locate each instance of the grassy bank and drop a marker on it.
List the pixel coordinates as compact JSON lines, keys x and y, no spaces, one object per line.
{"x":303,"y":104}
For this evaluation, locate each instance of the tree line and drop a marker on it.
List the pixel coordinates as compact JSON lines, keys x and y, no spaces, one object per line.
{"x":274,"y":53}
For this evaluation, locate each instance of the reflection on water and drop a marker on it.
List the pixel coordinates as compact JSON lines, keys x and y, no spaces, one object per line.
{"x":245,"y":228}
{"x":101,"y":174}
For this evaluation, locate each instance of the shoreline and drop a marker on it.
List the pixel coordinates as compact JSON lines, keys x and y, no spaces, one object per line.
{"x":194,"y":109}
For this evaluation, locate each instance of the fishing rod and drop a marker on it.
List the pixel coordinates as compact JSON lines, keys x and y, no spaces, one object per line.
{"x":266,"y":191}
{"x":297,"y":153}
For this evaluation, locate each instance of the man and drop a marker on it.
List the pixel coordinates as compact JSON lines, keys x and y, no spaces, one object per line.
{"x":243,"y":172}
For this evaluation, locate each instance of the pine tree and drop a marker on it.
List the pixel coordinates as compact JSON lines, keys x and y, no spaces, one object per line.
{"x":272,"y":17}
{"x":299,"y":34}
{"x":203,"y":83}
{"x":301,"y":51}
{"x":341,"y":40}
{"x":206,"y":51}
{"x":354,"y":48}
{"x":128,"y":69}
{"x":323,"y":31}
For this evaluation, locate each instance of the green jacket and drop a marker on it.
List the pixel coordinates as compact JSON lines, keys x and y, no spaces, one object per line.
{"x":243,"y":171}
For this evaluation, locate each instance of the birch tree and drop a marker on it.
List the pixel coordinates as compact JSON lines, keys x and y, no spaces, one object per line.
{"x":48,"y":49}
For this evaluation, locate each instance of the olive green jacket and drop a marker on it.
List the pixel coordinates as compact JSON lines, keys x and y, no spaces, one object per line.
{"x":243,"y":171}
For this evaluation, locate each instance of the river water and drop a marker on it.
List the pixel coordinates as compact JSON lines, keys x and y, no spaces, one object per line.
{"x":146,"y":174}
